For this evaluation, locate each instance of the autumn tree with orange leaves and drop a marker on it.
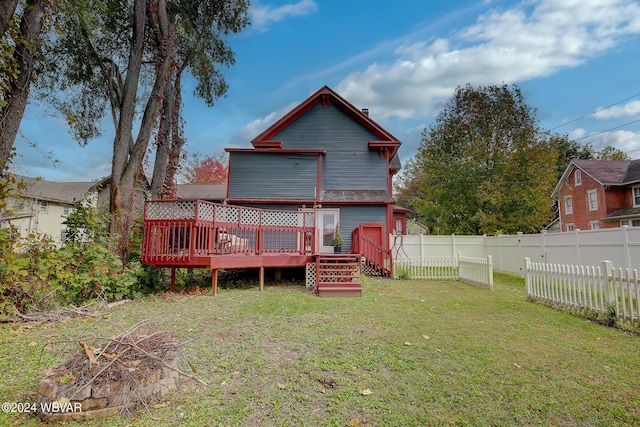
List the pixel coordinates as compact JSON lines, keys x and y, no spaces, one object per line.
{"x":206,"y":169}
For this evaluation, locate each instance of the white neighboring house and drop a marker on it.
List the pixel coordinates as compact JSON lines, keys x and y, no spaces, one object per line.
{"x":44,"y":205}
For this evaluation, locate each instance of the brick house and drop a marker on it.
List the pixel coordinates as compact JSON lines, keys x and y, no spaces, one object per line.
{"x":594,"y":194}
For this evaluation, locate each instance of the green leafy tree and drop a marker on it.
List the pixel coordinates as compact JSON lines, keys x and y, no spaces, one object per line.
{"x":127,"y":57}
{"x":484,"y":167}
{"x":612,"y":153}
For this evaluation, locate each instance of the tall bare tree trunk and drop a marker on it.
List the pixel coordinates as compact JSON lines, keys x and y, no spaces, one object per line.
{"x":169,"y":142}
{"x":25,"y":55}
{"x":7,"y":9}
{"x":121,"y":197}
{"x":177,"y":140}
{"x":163,"y":144}
{"x":127,"y":158}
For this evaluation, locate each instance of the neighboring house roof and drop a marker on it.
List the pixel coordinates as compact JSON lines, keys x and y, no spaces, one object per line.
{"x":355,"y":196}
{"x":61,"y":192}
{"x":326,"y":96}
{"x":209,"y":192}
{"x":606,"y":172}
{"x":624,"y":213}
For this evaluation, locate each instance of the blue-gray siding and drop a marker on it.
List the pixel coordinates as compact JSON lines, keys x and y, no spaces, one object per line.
{"x":353,"y":215}
{"x":349,"y":163}
{"x":273,"y":176}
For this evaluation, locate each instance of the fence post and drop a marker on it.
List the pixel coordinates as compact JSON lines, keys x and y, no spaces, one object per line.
{"x":490,"y":271}
{"x":527,"y":277}
{"x":625,"y":229}
{"x":609,"y":292}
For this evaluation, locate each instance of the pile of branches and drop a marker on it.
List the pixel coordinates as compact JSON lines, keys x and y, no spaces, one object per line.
{"x":131,"y":356}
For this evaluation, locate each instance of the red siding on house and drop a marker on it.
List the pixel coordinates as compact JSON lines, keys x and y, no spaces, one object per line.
{"x":609,"y":200}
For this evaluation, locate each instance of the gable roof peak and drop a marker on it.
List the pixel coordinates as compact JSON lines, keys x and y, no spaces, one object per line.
{"x":325,"y":96}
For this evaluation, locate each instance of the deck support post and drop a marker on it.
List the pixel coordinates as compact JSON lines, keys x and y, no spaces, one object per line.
{"x":278,"y":274}
{"x":214,"y":282}
{"x":262,"y":278}
{"x":172,"y":286}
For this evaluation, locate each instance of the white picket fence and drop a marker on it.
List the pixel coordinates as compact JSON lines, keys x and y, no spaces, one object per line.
{"x":586,"y":247}
{"x":580,"y":287}
{"x":476,"y":270}
{"x":426,"y":268}
{"x":467,"y":269}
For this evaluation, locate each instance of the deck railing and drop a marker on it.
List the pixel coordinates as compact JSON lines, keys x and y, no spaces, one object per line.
{"x":179,"y":231}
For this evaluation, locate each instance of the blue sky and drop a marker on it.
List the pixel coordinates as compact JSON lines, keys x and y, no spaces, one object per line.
{"x":402,"y":60}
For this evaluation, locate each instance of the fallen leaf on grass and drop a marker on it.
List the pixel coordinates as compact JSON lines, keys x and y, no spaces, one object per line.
{"x":281,"y":386}
{"x":407,"y":343}
{"x":354,"y":422}
{"x":426,"y":337}
{"x":517,"y":366}
{"x":366,"y":392}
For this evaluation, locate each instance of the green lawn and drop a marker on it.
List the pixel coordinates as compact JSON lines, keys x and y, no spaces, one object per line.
{"x":407,"y":353}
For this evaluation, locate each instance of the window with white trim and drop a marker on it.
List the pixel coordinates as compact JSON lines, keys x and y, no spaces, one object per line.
{"x":636,"y":196}
{"x":595,"y":225}
{"x":577,"y":177}
{"x":630,"y":223}
{"x":592,"y":200}
{"x":568,"y":205}
{"x":569,"y":227}
{"x":43,"y":206}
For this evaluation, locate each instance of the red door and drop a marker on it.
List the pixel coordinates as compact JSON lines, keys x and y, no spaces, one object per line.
{"x":373,"y":246}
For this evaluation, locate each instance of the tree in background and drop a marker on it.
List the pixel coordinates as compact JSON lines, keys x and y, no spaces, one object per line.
{"x":484,"y":167}
{"x":128,"y":58}
{"x":568,"y":149}
{"x":206,"y":170}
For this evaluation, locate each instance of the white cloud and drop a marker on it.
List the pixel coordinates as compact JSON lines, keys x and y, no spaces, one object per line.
{"x":630,"y":109}
{"x":533,"y":39}
{"x":627,"y":141}
{"x":259,"y":125}
{"x":262,"y":16}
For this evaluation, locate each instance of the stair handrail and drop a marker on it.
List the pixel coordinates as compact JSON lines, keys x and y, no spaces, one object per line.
{"x":368,"y":248}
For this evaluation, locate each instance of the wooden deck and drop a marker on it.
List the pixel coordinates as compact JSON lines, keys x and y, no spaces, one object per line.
{"x":200,"y":234}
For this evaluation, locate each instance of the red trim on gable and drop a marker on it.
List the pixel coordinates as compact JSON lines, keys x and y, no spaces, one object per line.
{"x":383,"y":144}
{"x":267,"y":144}
{"x":272,"y":151}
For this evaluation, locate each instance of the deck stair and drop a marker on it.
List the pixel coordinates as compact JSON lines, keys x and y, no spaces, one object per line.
{"x":338,"y":275}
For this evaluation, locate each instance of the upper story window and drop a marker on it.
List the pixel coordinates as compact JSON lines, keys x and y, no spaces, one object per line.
{"x":577,"y":177}
{"x":19,"y":206}
{"x":66,"y":210}
{"x":592,"y":200}
{"x":568,"y":205}
{"x":636,"y":196}
{"x":43,"y":206}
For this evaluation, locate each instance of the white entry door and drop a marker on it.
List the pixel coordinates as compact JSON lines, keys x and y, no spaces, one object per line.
{"x":327,"y":221}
